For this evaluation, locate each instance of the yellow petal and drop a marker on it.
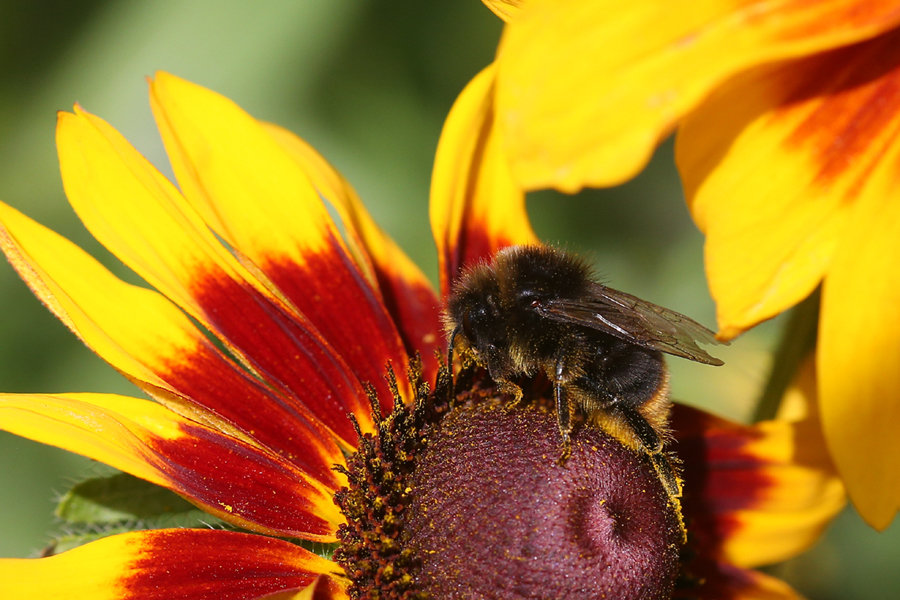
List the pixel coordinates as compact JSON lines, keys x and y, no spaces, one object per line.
{"x":241,"y":484}
{"x":140,"y":216}
{"x":255,"y":195}
{"x":807,"y":493}
{"x":792,"y":517}
{"x":96,"y":305}
{"x":772,"y":165}
{"x":155,"y":345}
{"x":247,"y":189}
{"x":404,"y":289}
{"x":759,"y":494}
{"x":172,"y":563}
{"x":586,"y":88}
{"x":102,"y":173}
{"x":859,"y":353}
{"x":475,"y":208}
{"x":505,"y":9}
{"x":323,"y":588}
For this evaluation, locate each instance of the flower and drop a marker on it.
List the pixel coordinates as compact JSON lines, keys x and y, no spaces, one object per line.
{"x":787,"y":147}
{"x":265,"y":346}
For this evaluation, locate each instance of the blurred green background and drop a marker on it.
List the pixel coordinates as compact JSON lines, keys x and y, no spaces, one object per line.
{"x":368,"y":84}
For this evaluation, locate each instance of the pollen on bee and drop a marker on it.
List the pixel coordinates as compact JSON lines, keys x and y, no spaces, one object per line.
{"x":616,"y":426}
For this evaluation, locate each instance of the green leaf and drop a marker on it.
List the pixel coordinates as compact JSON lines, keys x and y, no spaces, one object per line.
{"x":119,"y":503}
{"x":121,"y":497}
{"x":78,"y":537}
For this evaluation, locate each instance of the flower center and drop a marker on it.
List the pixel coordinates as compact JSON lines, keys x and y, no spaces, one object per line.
{"x":485,"y":509}
{"x":494,"y":514}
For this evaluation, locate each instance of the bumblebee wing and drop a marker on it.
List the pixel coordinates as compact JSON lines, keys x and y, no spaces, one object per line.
{"x":634,"y":320}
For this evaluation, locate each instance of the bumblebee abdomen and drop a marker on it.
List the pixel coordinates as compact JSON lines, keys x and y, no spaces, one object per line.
{"x":621,"y":373}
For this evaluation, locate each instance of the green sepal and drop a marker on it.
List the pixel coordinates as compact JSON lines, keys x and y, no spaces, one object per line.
{"x":797,"y":341}
{"x":323,"y":549}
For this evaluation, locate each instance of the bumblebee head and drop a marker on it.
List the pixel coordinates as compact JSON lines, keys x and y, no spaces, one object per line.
{"x":476,"y":313}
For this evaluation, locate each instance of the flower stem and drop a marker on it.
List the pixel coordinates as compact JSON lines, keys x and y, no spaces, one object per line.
{"x":797,"y":340}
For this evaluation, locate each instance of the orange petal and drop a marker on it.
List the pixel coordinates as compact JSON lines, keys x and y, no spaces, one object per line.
{"x":586,"y":88}
{"x":772,"y":166}
{"x":255,"y":195}
{"x":859,"y":351}
{"x":476,"y":208}
{"x":140,"y":216}
{"x":757,"y":494}
{"x":405,"y":290}
{"x":156,"y":346}
{"x":192,"y":564}
{"x":241,"y":484}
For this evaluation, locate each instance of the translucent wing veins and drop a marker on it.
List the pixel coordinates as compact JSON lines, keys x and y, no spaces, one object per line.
{"x":634,"y":320}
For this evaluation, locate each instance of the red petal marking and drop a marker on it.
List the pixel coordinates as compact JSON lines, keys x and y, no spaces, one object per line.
{"x":720,"y":475}
{"x":475,"y":244}
{"x":474,"y":241}
{"x":262,"y":204}
{"x":241,"y":484}
{"x":404,"y":288}
{"x":476,"y":206}
{"x":852,"y":100}
{"x":232,"y":479}
{"x":711,"y":580}
{"x":289,"y":355}
{"x":281,"y":425}
{"x":477,"y":240}
{"x":862,"y":15}
{"x":330,"y":291}
{"x":417,"y":310}
{"x":166,"y":355}
{"x":179,"y":564}
{"x":216,"y":565}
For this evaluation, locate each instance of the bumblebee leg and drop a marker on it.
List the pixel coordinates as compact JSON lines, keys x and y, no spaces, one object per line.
{"x":666,"y":474}
{"x":643,"y":430}
{"x":563,"y":410}
{"x":505,"y":386}
{"x":653,"y":445}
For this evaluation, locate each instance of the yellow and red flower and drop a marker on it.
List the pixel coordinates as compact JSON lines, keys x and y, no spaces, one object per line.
{"x":787,"y":119}
{"x":264,"y":347}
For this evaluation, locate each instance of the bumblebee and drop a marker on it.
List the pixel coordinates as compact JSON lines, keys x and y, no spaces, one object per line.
{"x":539,"y":309}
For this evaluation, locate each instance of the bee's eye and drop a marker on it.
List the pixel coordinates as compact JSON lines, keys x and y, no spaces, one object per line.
{"x":528,"y":297}
{"x":467,"y":328}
